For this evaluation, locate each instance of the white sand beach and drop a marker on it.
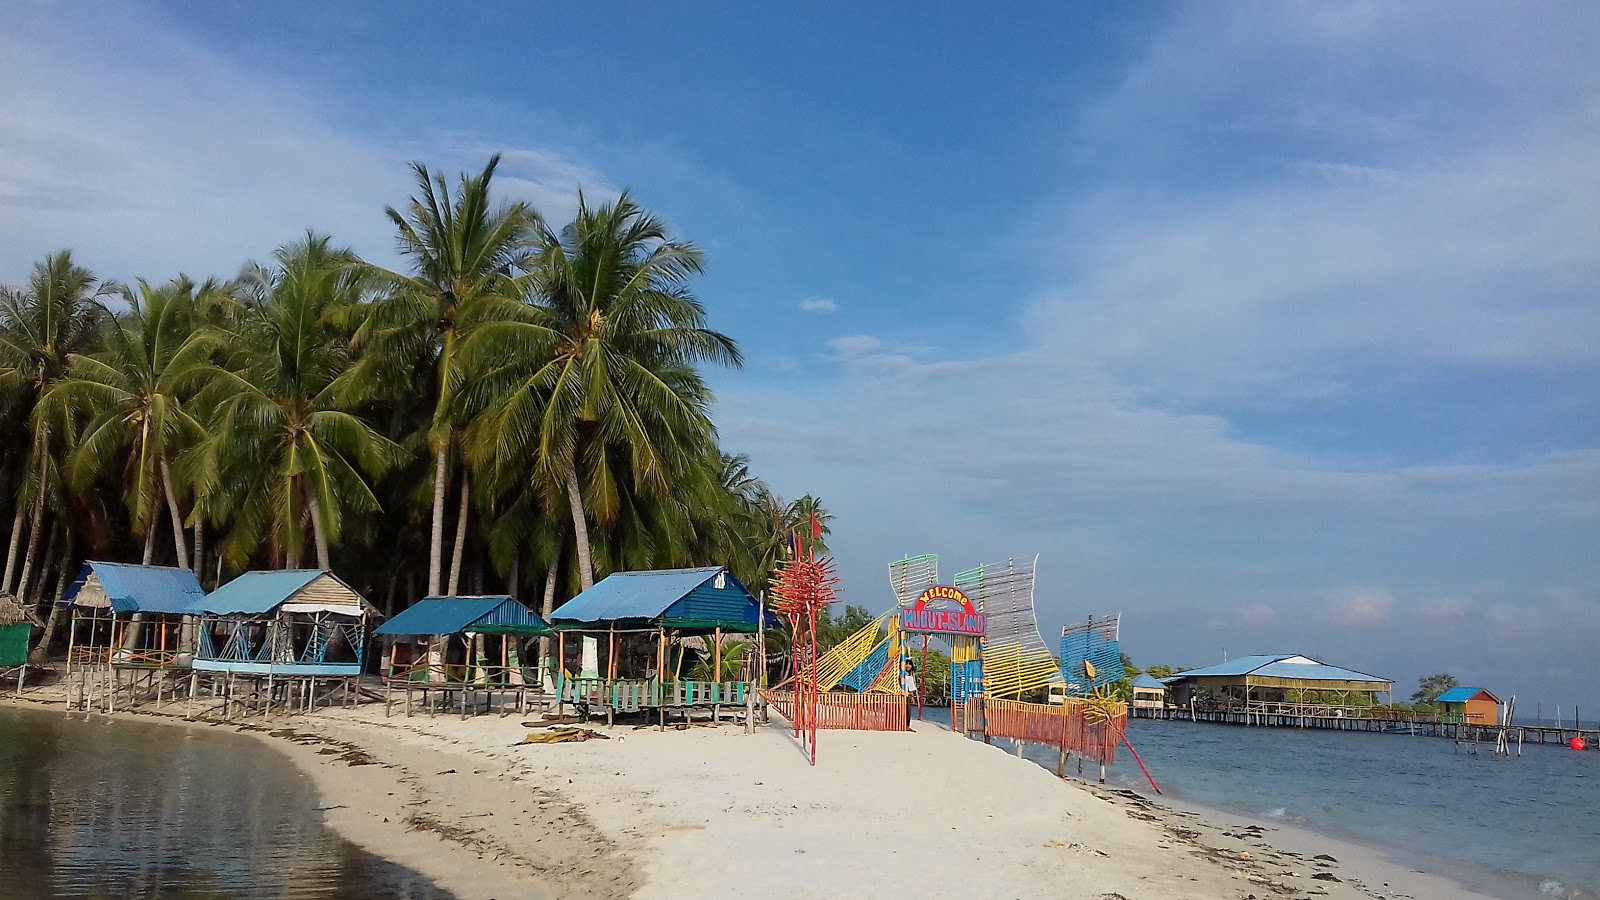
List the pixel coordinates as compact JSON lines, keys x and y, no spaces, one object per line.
{"x":715,"y":812}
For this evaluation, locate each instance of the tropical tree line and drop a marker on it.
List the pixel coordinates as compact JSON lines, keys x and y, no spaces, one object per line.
{"x":517,"y":408}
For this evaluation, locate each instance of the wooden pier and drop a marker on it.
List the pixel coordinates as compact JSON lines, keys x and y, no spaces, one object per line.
{"x":1365,"y":718}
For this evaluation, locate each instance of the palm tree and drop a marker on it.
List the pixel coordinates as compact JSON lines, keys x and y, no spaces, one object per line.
{"x":135,"y":393}
{"x":467,"y":259}
{"x":55,"y":316}
{"x":280,"y":440}
{"x":603,"y":371}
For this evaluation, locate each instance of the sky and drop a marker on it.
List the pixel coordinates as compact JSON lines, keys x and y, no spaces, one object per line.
{"x":1272,"y":326}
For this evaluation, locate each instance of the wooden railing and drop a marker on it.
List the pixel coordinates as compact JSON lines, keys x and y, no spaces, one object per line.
{"x":632,"y":694}
{"x":423,"y":674}
{"x":1073,"y":726}
{"x":858,"y":712}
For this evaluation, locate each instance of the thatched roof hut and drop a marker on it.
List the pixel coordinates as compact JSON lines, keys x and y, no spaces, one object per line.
{"x":13,"y":612}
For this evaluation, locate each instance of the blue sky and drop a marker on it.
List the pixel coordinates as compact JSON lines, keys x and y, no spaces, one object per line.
{"x":1273,"y":326}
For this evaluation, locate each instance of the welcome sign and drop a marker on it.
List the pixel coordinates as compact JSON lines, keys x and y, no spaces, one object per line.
{"x":942,"y":609}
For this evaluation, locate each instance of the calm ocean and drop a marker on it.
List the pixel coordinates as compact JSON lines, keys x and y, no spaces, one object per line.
{"x":98,"y":809}
{"x":1519,"y":826}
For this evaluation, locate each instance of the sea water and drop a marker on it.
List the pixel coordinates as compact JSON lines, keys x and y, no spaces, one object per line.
{"x":94,"y":808}
{"x":1515,"y":826}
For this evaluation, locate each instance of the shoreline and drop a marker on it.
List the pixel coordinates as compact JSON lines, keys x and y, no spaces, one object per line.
{"x":718,"y":812}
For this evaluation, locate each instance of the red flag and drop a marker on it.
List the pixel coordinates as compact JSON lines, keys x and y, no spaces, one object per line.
{"x":816,"y":528}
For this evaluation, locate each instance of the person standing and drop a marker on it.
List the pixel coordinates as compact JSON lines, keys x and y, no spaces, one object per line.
{"x":908,"y":683}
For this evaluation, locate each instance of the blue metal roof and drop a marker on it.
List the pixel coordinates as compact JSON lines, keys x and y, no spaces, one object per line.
{"x":689,"y":594}
{"x":450,"y":615}
{"x":1463,"y":694}
{"x":256,"y":593}
{"x":1142,"y":680}
{"x":130,"y":588}
{"x":1276,"y":667}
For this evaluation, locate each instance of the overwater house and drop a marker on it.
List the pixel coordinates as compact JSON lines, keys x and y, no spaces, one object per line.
{"x":1148,"y":693}
{"x":1472,"y":705}
{"x":280,"y":635}
{"x":1278,"y":679}
{"x":130,"y":627}
{"x":622,"y":636}
{"x":467,"y":646}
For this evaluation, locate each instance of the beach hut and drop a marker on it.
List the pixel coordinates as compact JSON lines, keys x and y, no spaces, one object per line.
{"x":640,"y":618}
{"x":1148,"y":693}
{"x":470,"y":645}
{"x":282,"y":633}
{"x":130,"y":626}
{"x":1253,"y":683}
{"x":1471,"y":705}
{"x":16,"y":632}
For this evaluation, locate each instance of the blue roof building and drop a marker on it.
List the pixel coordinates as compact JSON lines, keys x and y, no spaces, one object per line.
{"x":123,"y":588}
{"x":472,"y":641}
{"x":1270,"y":678}
{"x":700,"y":600}
{"x":288,"y":622}
{"x":465,"y":615}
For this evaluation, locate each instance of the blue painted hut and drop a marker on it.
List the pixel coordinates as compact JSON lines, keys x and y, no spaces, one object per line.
{"x":1148,"y":693}
{"x":129,"y":627}
{"x":641,"y":616}
{"x":288,"y":623}
{"x":132,"y":614}
{"x":475,"y":645}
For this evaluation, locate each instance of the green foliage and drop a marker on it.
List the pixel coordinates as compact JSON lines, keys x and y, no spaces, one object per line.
{"x":733,"y":662}
{"x":1430,"y":687}
{"x":322,"y":404}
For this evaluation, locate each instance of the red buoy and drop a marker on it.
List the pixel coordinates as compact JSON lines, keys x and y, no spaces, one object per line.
{"x":1577,"y":743}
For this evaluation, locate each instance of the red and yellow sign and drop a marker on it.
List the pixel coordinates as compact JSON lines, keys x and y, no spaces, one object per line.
{"x":933,"y":613}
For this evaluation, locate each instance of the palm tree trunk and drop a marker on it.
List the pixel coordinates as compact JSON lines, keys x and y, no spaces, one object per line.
{"x":177,"y":518}
{"x":16,"y":540}
{"x":514,"y":576}
{"x":316,"y":530}
{"x":42,"y":652}
{"x":549,"y":607}
{"x":150,"y":545}
{"x":44,"y":572}
{"x":441,"y":460}
{"x":580,"y":527}
{"x":461,"y":538}
{"x":199,"y":545}
{"x":33,"y":535}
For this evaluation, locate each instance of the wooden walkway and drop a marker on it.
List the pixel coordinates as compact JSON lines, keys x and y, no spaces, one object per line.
{"x":1357,"y":718}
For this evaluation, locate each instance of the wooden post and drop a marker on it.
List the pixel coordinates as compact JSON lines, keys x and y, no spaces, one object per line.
{"x":716,"y":676}
{"x":611,"y":654}
{"x":1061,"y":760}
{"x":561,"y":673}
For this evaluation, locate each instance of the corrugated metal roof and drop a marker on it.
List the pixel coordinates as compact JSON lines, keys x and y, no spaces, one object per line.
{"x":1280,"y":666}
{"x":256,"y":593}
{"x":1463,"y":694}
{"x":633,"y":595}
{"x":130,"y":588}
{"x":1142,"y":680}
{"x":449,"y":615}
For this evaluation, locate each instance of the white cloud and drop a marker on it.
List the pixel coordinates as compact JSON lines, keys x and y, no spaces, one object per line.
{"x":1361,"y":607}
{"x":819,"y":305}
{"x":164,"y":155}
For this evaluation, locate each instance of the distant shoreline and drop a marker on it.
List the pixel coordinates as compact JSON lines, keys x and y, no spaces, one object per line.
{"x":716,"y":812}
